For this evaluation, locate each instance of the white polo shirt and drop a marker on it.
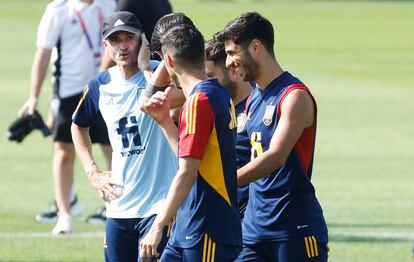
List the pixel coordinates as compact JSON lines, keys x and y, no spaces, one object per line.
{"x":74,"y":58}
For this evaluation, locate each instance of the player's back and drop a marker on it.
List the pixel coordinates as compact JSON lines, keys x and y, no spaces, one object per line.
{"x":207,"y":130}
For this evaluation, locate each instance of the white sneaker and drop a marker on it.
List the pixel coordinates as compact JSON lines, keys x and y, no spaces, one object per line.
{"x":63,"y":226}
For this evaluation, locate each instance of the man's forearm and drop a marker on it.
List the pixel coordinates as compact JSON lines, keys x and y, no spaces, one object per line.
{"x":258,"y":168}
{"x":171,"y":133}
{"x":179,"y":190}
{"x":39,"y":70}
{"x":83,"y":146}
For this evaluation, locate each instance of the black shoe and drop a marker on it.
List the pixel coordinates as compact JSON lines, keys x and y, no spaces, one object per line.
{"x":99,"y":218}
{"x":51,"y":216}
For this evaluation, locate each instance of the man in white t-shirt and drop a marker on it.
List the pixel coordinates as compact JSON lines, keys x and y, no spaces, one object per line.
{"x":69,"y":37}
{"x":143,"y":163}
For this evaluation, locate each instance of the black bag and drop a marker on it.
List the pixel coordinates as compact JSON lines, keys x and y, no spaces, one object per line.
{"x":23,"y":126}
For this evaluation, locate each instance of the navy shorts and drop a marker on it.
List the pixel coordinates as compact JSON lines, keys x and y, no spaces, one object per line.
{"x":123,"y":236}
{"x":62,"y":110}
{"x":306,"y":249}
{"x":205,"y":250}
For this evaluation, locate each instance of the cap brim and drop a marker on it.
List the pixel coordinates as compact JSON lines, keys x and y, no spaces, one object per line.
{"x":122,"y":28}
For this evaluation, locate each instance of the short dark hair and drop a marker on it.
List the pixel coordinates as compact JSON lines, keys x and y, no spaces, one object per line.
{"x":248,"y":26}
{"x":215,"y":52}
{"x":164,"y":24}
{"x":186,"y":45}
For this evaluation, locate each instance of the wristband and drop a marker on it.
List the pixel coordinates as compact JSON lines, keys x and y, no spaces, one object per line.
{"x":152,"y":89}
{"x":148,"y":68}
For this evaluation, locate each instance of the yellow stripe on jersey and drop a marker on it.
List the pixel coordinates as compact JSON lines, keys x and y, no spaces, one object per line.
{"x":168,"y":230}
{"x":233,"y":118}
{"x":187,"y":114}
{"x":205,"y":247}
{"x":213,"y":252}
{"x":315,"y":245}
{"x":85,"y":92}
{"x":209,"y":250}
{"x":191,"y":114}
{"x":193,"y":123}
{"x":311,"y":247}
{"x":307,"y":246}
{"x":211,"y":167}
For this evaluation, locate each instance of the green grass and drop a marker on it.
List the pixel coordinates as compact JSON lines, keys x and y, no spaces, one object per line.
{"x":356,"y":56}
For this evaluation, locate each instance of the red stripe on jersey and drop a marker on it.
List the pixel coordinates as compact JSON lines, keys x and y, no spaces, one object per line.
{"x":306,"y":142}
{"x":196,"y":124}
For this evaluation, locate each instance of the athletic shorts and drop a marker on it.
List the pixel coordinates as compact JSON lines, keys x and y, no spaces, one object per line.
{"x":204,"y":251}
{"x":123,"y":236}
{"x":62,"y":110}
{"x":306,"y":249}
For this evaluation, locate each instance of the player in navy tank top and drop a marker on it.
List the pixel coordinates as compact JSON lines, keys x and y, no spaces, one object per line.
{"x":283,"y":220}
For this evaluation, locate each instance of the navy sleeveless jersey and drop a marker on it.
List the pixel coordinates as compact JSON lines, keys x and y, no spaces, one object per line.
{"x":282,"y":205}
{"x":207,"y":132}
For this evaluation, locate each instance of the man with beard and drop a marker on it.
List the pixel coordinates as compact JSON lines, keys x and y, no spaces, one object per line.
{"x":239,"y":92}
{"x":283,"y":219}
{"x":143,"y":165}
{"x":203,"y":194}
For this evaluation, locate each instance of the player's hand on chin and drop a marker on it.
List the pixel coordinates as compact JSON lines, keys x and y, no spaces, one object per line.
{"x":149,"y":244}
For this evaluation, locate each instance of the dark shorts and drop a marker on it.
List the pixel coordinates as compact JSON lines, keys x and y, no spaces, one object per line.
{"x":123,"y":236}
{"x":62,"y":110}
{"x":306,"y":249}
{"x":205,"y":250}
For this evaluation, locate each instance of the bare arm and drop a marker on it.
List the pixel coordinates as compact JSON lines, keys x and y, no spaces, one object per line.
{"x":101,"y":180}
{"x":144,"y":59}
{"x":159,"y":80}
{"x":179,"y":190}
{"x":171,"y":133}
{"x":297,"y":114}
{"x":38,"y":73}
{"x":158,"y":107}
{"x":83,"y":146}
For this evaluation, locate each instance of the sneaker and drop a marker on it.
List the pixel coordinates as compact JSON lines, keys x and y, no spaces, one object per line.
{"x":99,"y":218}
{"x":51,"y":216}
{"x":63,"y":226}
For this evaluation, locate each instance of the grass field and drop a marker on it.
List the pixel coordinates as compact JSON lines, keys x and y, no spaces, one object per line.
{"x":357,"y":57}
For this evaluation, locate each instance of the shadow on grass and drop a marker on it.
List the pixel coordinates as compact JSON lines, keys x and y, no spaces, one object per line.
{"x":368,"y":239}
{"x":380,"y":225}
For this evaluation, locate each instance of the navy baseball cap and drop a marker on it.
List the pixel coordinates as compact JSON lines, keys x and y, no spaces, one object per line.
{"x":121,"y":21}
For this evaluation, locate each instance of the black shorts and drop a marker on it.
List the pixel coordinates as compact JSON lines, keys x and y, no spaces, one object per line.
{"x":62,"y":110}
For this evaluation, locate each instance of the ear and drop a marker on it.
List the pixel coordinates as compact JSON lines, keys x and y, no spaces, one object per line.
{"x":255,"y":46}
{"x":169,"y":61}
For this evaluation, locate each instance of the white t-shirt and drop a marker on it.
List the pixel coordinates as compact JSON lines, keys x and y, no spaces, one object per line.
{"x":143,"y":162}
{"x":74,"y":59}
